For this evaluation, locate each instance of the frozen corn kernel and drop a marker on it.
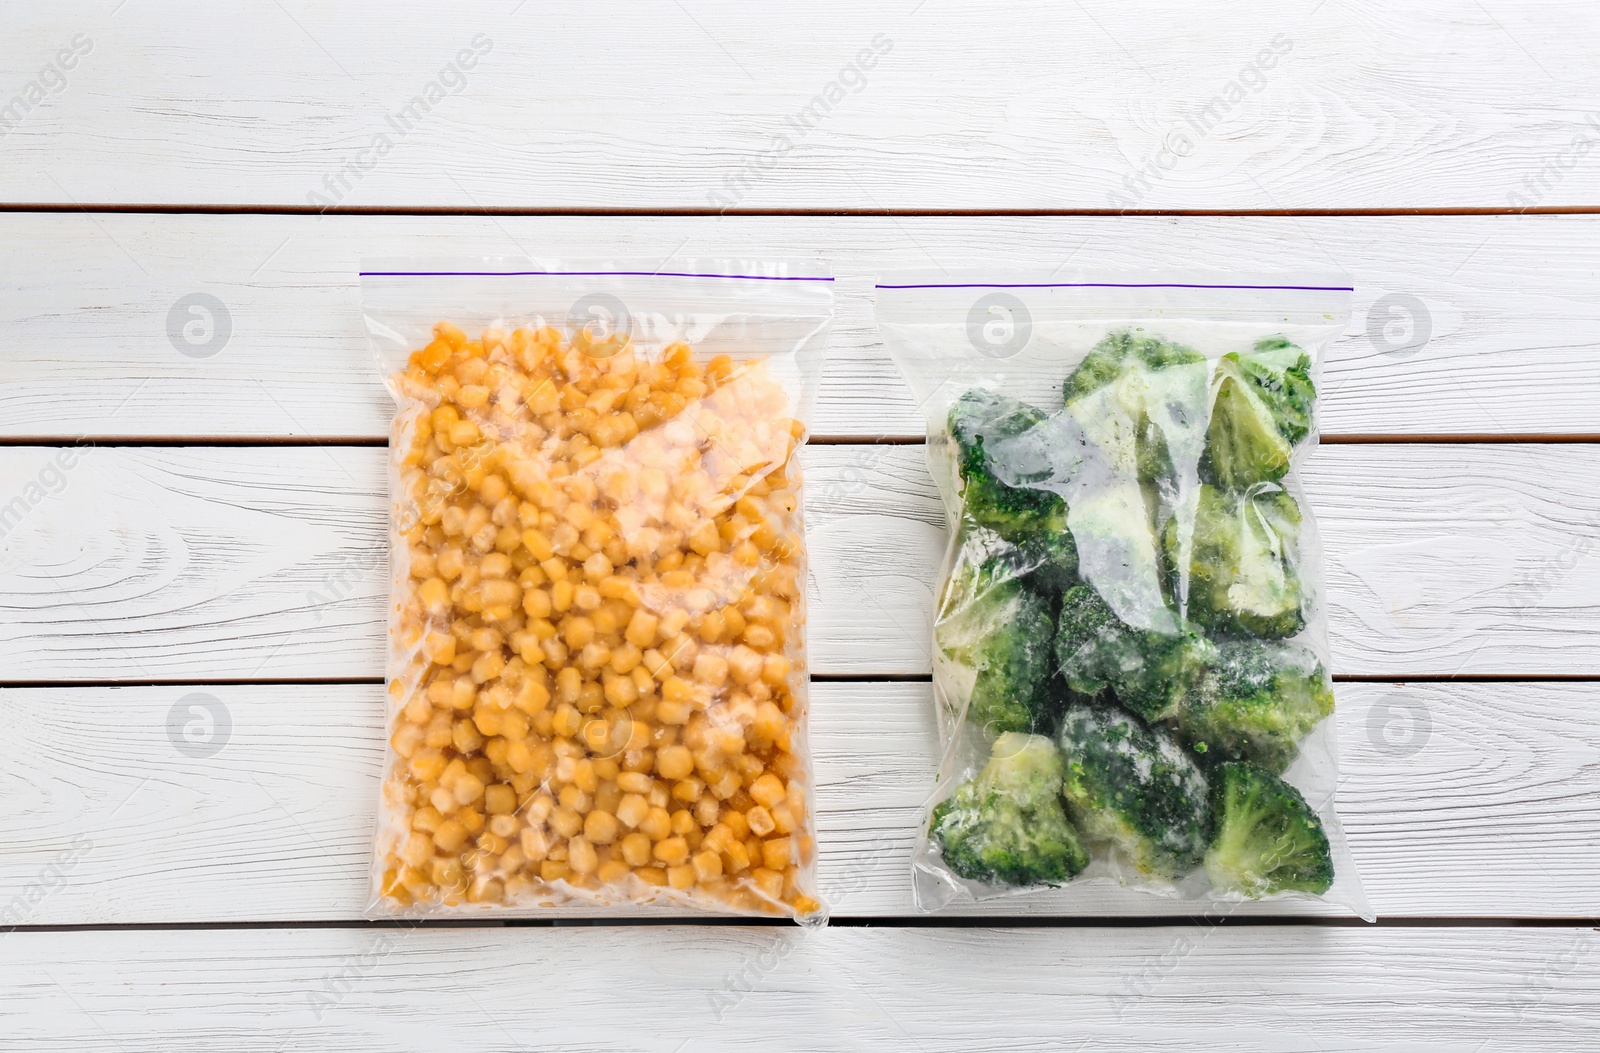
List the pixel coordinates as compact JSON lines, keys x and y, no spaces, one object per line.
{"x":672,"y":851}
{"x":596,"y":628}
{"x":674,"y":762}
{"x":600,"y":827}
{"x":656,"y":824}
{"x":707,"y":865}
{"x":776,"y":853}
{"x":760,"y":821}
{"x":636,"y":850}
{"x":768,"y":790}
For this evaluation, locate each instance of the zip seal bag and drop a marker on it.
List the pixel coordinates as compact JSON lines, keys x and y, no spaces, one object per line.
{"x":1130,"y":643}
{"x":596,"y":668}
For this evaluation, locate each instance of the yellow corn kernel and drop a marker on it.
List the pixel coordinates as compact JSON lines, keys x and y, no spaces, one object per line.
{"x":672,"y":851}
{"x":451,"y":334}
{"x":641,"y":631}
{"x":726,"y":785}
{"x":465,"y":737}
{"x":707,"y":865}
{"x":565,"y":821}
{"x":601,"y":828}
{"x":487,"y":667}
{"x":497,"y":592}
{"x":657,"y":824}
{"x":674,"y":762}
{"x":711,"y":670}
{"x":777,"y":853}
{"x":434,"y":595}
{"x":567,"y":721}
{"x":635,"y":849}
{"x":418,"y":849}
{"x":586,"y":597}
{"x":450,"y":836}
{"x":632,"y":809}
{"x":775,"y":670}
{"x":499,"y":799}
{"x":573,"y":798}
{"x":535,"y":844}
{"x":635,"y":782}
{"x":581,"y":855}
{"x":577,"y":631}
{"x":768,"y":790}
{"x":612,"y":871}
{"x":769,"y":881}
{"x":617,"y":587}
{"x":760,"y":821}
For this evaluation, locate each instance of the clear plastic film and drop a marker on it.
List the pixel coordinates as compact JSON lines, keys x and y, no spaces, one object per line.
{"x":1130,"y":648}
{"x":596,"y":673}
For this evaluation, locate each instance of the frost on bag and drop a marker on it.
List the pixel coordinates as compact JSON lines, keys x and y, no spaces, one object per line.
{"x":597,"y":686}
{"x":1130,"y":645}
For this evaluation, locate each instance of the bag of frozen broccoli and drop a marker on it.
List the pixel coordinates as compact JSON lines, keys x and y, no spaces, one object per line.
{"x":1130,"y":656}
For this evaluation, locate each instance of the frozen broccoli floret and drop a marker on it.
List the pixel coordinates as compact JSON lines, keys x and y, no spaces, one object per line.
{"x":1261,"y":409}
{"x":1149,"y":385}
{"x":1151,"y":671}
{"x":1243,"y":577}
{"x":1049,"y":561}
{"x":992,"y":622}
{"x":1117,"y":353}
{"x":1259,"y":702}
{"x":1268,"y":839}
{"x":1007,"y":824}
{"x":1134,"y":788}
{"x":982,"y":423}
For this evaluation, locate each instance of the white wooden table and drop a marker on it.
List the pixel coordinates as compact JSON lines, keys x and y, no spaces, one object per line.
{"x":202,"y":514}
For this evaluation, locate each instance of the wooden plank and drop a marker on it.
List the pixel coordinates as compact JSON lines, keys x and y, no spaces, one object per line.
{"x":249,"y":563}
{"x":669,"y":989}
{"x":1505,"y":302}
{"x":1459,"y":800}
{"x":1167,"y":105}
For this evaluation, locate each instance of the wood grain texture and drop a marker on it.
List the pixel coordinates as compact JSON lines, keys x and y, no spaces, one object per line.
{"x":1459,"y":800}
{"x":249,"y":563}
{"x":967,"y":105}
{"x":206,"y":564}
{"x":672,"y":989}
{"x":1507,"y":303}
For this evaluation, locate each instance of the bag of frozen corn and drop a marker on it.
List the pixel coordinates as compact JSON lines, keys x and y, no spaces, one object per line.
{"x":1130,"y":645}
{"x":596,"y":671}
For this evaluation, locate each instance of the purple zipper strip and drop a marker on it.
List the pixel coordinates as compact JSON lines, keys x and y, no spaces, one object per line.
{"x":1117,"y":285}
{"x":580,"y":274}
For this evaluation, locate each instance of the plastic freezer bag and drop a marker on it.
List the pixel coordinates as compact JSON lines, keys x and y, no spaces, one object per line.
{"x":1130,"y":646}
{"x":596,"y":673}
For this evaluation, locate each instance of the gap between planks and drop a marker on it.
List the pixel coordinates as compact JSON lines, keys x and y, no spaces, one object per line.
{"x":206,"y":441}
{"x":897,"y":213}
{"x":1140,"y":921}
{"x":816,"y":678}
